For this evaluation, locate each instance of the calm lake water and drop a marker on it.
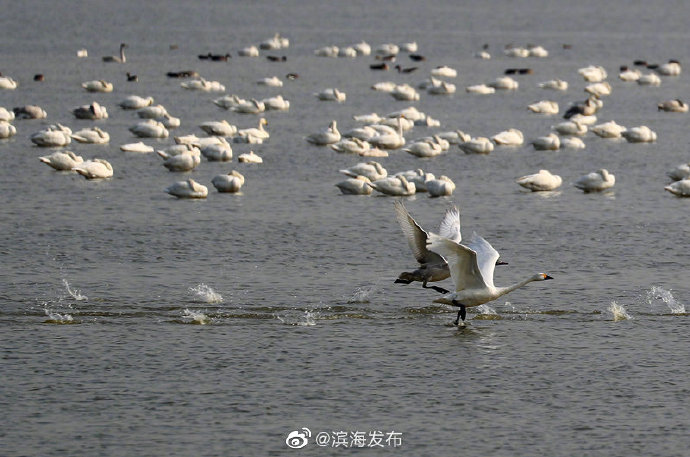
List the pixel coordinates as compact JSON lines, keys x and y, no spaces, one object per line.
{"x":135,"y":324}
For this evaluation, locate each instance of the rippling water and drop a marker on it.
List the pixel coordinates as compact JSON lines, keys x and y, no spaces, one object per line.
{"x":137,"y":324}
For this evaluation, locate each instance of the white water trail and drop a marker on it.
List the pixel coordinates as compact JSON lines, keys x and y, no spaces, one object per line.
{"x":205,"y":294}
{"x":308,"y":319}
{"x":54,"y":316}
{"x":76,"y":294}
{"x":195,"y":317}
{"x":618,"y":311}
{"x":658,"y":296}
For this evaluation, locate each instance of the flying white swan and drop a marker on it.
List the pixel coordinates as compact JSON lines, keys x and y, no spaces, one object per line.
{"x":472,"y":271}
{"x":432,"y":266}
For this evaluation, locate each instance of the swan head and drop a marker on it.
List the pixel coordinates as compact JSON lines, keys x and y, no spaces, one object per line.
{"x":541,"y":277}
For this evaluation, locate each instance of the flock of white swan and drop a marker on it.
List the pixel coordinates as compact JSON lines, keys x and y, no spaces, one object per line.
{"x":377,"y":136}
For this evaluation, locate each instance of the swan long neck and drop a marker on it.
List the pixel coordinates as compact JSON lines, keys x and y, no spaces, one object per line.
{"x":508,"y":289}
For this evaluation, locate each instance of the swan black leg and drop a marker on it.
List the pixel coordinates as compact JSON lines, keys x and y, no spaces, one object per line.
{"x":461,"y":313}
{"x":436,"y":288}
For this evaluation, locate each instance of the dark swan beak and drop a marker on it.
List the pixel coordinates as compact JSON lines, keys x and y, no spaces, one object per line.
{"x":547,"y":277}
{"x":501,"y":262}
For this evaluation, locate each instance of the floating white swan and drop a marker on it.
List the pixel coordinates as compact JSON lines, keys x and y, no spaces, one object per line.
{"x":255,"y":132}
{"x":481,"y":89}
{"x":572,"y":142}
{"x":219,"y":128}
{"x":570,"y":128}
{"x":277,"y":103}
{"x":444,"y":71}
{"x":221,"y":152}
{"x":396,"y":186}
{"x":424,"y":148}
{"x":629,"y":75}
{"x":8,"y":83}
{"x":203,"y":85}
{"x":252,"y":106}
{"x":504,"y":83}
{"x":472,"y":271}
{"x":544,"y":180}
{"x":390,"y":140}
{"x":7,"y":130}
{"x":231,"y":182}
{"x":136,"y":147}
{"x":682,"y":171}
{"x":440,"y":187}
{"x":6,"y":115}
{"x":180,"y":162}
{"x":99,"y":85}
{"x":351,"y":146}
{"x":355,"y":186}
{"x":600,"y":89}
{"x":679,"y":188}
{"x":136,"y":102}
{"x":441,"y":88}
{"x":510,"y":137}
{"x":593,"y":73}
{"x":117,"y":59}
{"x":554,"y":84}
{"x":29,"y":112}
{"x":149,"y":128}
{"x":372,"y":170}
{"x":417,"y":177}
{"x":544,"y":107}
{"x":649,"y":79}
{"x":249,"y":51}
{"x":187,"y":189}
{"x":671,"y":68}
{"x":596,"y":181}
{"x":272,"y":81}
{"x":674,"y":106}
{"x":550,"y":142}
{"x":95,"y":169}
{"x":405,"y":92}
{"x":152,"y":112}
{"x":53,"y":136}
{"x":641,"y":134}
{"x":329,"y":135}
{"x":384,"y":86}
{"x":62,"y":160}
{"x":93,"y":111}
{"x":331,"y":94}
{"x":478,"y":145}
{"x":608,"y":129}
{"x":250,"y":157}
{"x":93,"y":135}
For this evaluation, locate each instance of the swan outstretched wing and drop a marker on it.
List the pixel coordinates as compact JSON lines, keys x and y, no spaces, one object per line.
{"x":450,"y":225}
{"x":415,"y":235}
{"x":486,"y":257}
{"x":462,"y":262}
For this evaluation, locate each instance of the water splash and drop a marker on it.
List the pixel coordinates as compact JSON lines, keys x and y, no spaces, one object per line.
{"x":308,"y":319}
{"x":76,"y":294}
{"x":361,"y":295}
{"x":658,"y":296}
{"x":618,"y":311}
{"x":205,"y":294}
{"x":195,"y":317}
{"x":486,"y":309}
{"x":56,"y":318}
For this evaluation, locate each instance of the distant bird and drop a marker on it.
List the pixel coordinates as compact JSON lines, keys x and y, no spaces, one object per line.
{"x":405,"y":70}
{"x":586,"y":108}
{"x":379,"y":66}
{"x":39,"y":77}
{"x":182,"y":74}
{"x":117,"y":59}
{"x":292,"y":76}
{"x":417,"y":57}
{"x":276,"y":58}
{"x":472,"y":270}
{"x":132,"y":78}
{"x":674,"y":106}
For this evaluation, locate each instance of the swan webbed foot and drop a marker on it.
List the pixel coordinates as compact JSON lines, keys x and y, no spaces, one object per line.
{"x":402,"y":281}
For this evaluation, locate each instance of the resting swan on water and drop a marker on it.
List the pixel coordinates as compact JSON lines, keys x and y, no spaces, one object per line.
{"x":117,"y":59}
